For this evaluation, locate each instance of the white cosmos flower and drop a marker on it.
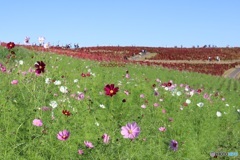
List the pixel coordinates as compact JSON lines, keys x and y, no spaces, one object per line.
{"x":63,"y":89}
{"x":97,"y":124}
{"x":20,"y":62}
{"x":102,"y":106}
{"x":46,"y":45}
{"x":238,"y":110}
{"x":53,"y":104}
{"x":47,"y":80}
{"x":227,"y":105}
{"x":191,"y":93}
{"x":57,"y":82}
{"x":179,"y":93}
{"x":89,"y":70}
{"x":188,"y":101}
{"x":200,"y":104}
{"x":219,"y":114}
{"x":155,"y":89}
{"x":166,"y":88}
{"x":75,"y":80}
{"x":93,"y":74}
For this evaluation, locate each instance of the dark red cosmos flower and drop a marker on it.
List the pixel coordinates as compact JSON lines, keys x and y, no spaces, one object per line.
{"x":10,"y":45}
{"x":83,"y":75}
{"x":110,"y":90}
{"x":66,"y":112}
{"x":40,"y":66}
{"x":199,"y":91}
{"x":88,"y":74}
{"x":169,"y":84}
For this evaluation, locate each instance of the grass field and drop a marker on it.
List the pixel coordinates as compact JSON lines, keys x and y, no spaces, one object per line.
{"x":200,"y":112}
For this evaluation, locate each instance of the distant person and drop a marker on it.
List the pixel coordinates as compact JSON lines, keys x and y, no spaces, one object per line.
{"x":218,"y":58}
{"x":209,"y":58}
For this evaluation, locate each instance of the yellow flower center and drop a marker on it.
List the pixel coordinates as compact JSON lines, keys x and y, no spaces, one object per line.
{"x":130,"y":131}
{"x":111,"y":91}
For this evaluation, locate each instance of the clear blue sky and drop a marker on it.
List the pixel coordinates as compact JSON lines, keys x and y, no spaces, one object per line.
{"x":124,"y":22}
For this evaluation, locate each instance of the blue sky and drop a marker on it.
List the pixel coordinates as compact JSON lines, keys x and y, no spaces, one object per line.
{"x":157,"y":23}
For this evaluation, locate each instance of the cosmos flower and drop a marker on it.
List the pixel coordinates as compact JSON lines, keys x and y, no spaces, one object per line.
{"x":40,"y":67}
{"x":63,"y":89}
{"x":57,"y":82}
{"x":46,"y":45}
{"x":131,"y":130}
{"x":143,"y":106}
{"x":53,"y":104}
{"x":47,"y":80}
{"x":80,"y":96}
{"x":105,"y":138}
{"x":63,"y":135}
{"x":88,"y":144}
{"x":219,"y":114}
{"x":14,"y":82}
{"x":10,"y":45}
{"x":174,"y":145}
{"x":142,"y":96}
{"x":66,"y":112}
{"x":37,"y":122}
{"x":162,"y":129}
{"x":102,"y":106}
{"x":110,"y":90}
{"x":80,"y":151}
{"x":200,"y":104}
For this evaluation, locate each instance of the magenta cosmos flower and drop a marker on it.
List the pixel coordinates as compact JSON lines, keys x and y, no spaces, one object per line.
{"x":40,"y":67}
{"x":105,"y":138}
{"x":63,"y":135}
{"x":174,"y":145}
{"x":110,"y":90}
{"x":88,"y":144}
{"x":37,"y":122}
{"x":130,"y":131}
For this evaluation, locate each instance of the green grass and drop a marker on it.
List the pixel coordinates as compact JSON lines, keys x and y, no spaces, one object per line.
{"x":198,"y":130}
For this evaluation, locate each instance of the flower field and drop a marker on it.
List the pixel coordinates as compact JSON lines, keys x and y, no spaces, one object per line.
{"x":118,"y":54}
{"x":55,"y":106}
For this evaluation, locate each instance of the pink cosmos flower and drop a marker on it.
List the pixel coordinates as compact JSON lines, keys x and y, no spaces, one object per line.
{"x":158,"y":80}
{"x":163,"y":111}
{"x":37,"y":122}
{"x":162,"y":129}
{"x":126,"y":92}
{"x":88,"y":144}
{"x":155,"y":104}
{"x":80,"y":151}
{"x":130,"y":131}
{"x":3,"y":69}
{"x":14,"y":82}
{"x":63,"y":135}
{"x":143,"y":106}
{"x":105,"y":138}
{"x":127,"y":76}
{"x":142,"y":96}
